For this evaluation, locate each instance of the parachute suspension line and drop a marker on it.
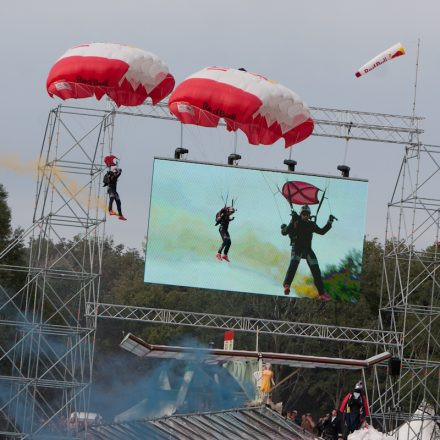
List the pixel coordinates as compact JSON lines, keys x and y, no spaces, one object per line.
{"x":110,"y":123}
{"x":320,"y":204}
{"x":273,"y":195}
{"x":235,"y":142}
{"x":181,"y":134}
{"x":322,"y":200}
{"x":328,"y":198}
{"x":198,"y":140}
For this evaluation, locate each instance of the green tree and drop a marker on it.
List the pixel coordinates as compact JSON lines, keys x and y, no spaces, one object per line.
{"x":16,"y":255}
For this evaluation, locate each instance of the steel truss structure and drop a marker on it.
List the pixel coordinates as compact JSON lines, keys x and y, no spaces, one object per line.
{"x":50,"y":344}
{"x":410,"y":293}
{"x":244,"y":324}
{"x":53,"y":324}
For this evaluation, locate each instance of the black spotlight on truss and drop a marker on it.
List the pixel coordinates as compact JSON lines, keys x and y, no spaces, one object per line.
{"x":291,"y":164}
{"x":233,"y":158}
{"x":179,"y":152}
{"x":345,"y":170}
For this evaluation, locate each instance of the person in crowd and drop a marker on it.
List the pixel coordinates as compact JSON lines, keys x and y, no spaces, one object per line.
{"x":295,"y":417}
{"x":308,"y":423}
{"x":320,"y":424}
{"x":330,"y":426}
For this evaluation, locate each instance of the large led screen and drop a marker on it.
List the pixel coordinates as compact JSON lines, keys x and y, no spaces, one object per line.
{"x":256,"y":231}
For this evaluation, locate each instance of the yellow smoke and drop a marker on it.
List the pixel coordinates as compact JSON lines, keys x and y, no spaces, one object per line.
{"x":304,"y":286}
{"x":13,"y":162}
{"x":68,"y":186}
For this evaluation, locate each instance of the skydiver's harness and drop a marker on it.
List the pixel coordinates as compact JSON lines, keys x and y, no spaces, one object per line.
{"x":220,"y":216}
{"x":354,"y":404}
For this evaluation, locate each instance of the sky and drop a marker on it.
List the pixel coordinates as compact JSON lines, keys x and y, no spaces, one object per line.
{"x":183,"y":240}
{"x":314,"y":48}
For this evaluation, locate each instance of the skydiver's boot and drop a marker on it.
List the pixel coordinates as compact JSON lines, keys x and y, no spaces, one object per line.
{"x":225,"y":257}
{"x":219,"y":257}
{"x":121,"y":217}
{"x":111,"y":212}
{"x":324,"y":297}
{"x":286,"y":289}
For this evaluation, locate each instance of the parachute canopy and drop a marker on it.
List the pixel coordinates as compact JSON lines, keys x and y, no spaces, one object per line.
{"x":263,"y":109}
{"x":393,"y":52}
{"x":300,"y":193}
{"x":125,"y":74}
{"x":111,"y":161}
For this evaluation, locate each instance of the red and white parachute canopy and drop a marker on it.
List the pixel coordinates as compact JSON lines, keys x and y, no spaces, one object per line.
{"x":393,"y":52}
{"x":263,"y":109}
{"x":125,"y":74}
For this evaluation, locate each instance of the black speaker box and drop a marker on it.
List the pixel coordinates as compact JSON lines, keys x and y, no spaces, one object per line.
{"x":394,"y":366}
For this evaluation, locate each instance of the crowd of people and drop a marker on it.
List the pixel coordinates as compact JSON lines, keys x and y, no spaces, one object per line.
{"x":340,"y":422}
{"x":328,"y":426}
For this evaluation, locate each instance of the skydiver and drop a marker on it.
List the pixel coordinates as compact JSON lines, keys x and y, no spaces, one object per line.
{"x":300,"y":231}
{"x":223,"y":218}
{"x":354,"y":410}
{"x":111,"y":180}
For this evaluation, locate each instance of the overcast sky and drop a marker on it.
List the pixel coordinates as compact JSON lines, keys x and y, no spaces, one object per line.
{"x":312,"y":47}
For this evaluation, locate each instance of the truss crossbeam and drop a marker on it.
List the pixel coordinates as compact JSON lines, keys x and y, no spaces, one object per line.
{"x":415,"y":309}
{"x":282,"y":328}
{"x":406,"y":417}
{"x":51,"y":273}
{"x":42,"y":382}
{"x":331,"y":123}
{"x":46,"y":329}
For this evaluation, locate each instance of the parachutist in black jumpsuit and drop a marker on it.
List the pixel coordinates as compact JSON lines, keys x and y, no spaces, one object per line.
{"x":301,"y":230}
{"x":223,"y":221}
{"x":113,"y":177}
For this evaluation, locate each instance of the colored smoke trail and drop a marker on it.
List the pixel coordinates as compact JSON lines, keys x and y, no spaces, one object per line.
{"x":68,"y":186}
{"x":303,"y":285}
{"x":12,"y":162}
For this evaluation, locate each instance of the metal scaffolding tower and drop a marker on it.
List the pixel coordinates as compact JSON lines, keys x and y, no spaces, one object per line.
{"x":50,"y":349}
{"x":410,"y":293}
{"x":50,"y":356}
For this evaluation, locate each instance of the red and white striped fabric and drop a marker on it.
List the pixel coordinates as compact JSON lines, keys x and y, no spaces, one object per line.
{"x":263,"y":109}
{"x":126,"y":74}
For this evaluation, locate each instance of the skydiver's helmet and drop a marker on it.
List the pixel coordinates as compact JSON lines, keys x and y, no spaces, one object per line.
{"x":111,"y":160}
{"x":230,"y":210}
{"x":115,"y":169}
{"x":358,"y":387}
{"x":306,"y":209}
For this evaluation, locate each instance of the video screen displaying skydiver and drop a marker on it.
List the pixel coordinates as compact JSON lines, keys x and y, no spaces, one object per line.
{"x":255,"y":231}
